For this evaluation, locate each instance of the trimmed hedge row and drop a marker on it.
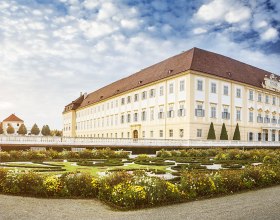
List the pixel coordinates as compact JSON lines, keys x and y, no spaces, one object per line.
{"x":137,"y":190}
{"x":55,"y":155}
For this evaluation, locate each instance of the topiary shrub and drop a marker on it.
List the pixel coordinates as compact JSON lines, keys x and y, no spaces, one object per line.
{"x":224,"y":135}
{"x":211,"y":133}
{"x":236,"y":135}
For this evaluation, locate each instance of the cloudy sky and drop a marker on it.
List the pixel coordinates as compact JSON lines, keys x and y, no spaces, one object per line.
{"x":51,"y":50}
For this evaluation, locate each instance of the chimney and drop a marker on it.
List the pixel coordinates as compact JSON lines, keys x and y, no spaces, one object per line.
{"x":81,"y":93}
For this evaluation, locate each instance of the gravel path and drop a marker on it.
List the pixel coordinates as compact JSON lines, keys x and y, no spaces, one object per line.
{"x":260,"y":204}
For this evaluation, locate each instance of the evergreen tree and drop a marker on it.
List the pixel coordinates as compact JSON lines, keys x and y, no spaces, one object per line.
{"x":10,"y":129}
{"x":22,"y":130}
{"x":236,"y":135}
{"x":224,"y":135}
{"x":46,"y":130}
{"x":1,"y":129}
{"x":35,"y":130}
{"x":211,"y":132}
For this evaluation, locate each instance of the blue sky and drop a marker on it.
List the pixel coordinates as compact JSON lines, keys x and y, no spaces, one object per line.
{"x":51,"y":50}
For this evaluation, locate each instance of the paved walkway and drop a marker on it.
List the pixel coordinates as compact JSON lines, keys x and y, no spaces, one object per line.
{"x":260,"y":204}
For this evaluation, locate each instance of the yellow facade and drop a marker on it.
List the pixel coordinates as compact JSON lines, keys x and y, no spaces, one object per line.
{"x":180,"y":107}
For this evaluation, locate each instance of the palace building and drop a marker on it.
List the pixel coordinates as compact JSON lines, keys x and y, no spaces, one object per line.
{"x":178,"y":98}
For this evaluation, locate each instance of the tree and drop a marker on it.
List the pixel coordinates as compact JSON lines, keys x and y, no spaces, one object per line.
{"x":211,"y":132}
{"x":236,"y":135}
{"x":46,"y":130}
{"x":1,"y":129}
{"x":224,"y":135}
{"x":56,"y":133}
{"x":35,"y":130}
{"x":22,"y":130}
{"x":10,"y":129}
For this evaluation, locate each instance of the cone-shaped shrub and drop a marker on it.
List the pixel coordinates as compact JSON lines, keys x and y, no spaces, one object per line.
{"x":224,"y":135}
{"x":236,"y":135}
{"x":211,"y":132}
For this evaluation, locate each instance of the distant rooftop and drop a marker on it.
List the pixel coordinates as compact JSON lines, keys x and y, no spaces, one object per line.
{"x":13,"y":117}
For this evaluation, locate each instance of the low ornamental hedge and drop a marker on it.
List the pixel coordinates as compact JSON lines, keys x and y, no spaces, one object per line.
{"x":55,"y":155}
{"x":126,"y":190}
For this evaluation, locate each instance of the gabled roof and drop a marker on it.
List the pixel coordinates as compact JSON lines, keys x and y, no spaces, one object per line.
{"x":194,"y":59}
{"x":13,"y":117}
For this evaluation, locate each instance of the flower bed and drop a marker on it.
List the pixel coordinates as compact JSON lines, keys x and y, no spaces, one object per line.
{"x":137,"y":190}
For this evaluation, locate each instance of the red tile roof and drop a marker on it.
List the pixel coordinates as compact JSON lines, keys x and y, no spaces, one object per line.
{"x":13,"y":117}
{"x":194,"y":59}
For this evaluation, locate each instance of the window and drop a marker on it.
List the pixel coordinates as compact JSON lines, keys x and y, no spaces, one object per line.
{"x":151,"y":134}
{"x":135,"y":116}
{"x":181,"y":111}
{"x":128,"y":99}
{"x":251,"y":116}
{"x":181,"y":133}
{"x":260,"y":118}
{"x":152,"y":93}
{"x":117,"y":103}
{"x":171,"y":88}
{"x":213,"y":88}
{"x":160,"y":114}
{"x":135,"y":97}
{"x":128,"y":118}
{"x":274,"y":120}
{"x":182,"y":85}
{"x":225,"y":114}
{"x":213,"y":111}
{"x":199,"y":85}
{"x":251,"y":136}
{"x":160,"y":133}
{"x":144,"y":95}
{"x":273,"y":100}
{"x":143,"y":134}
{"x":259,"y":97}
{"x":238,"y":115}
{"x":266,"y":99}
{"x":128,"y":135}
{"x":225,"y":90}
{"x":161,"y":91}
{"x":199,"y":112}
{"x":151,"y":114}
{"x":170,"y":132}
{"x":251,"y":95}
{"x":266,"y":119}
{"x":199,"y":133}
{"x":238,"y":93}
{"x":143,"y":116}
{"x":170,"y":113}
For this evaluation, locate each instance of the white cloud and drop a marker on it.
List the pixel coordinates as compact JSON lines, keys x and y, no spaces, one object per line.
{"x":199,"y":30}
{"x":223,"y":10}
{"x":271,"y":34}
{"x":48,"y":56}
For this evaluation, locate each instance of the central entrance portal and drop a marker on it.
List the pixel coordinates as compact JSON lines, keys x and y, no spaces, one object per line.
{"x":135,"y":134}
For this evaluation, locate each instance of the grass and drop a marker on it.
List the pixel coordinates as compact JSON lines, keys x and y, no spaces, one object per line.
{"x":92,"y":170}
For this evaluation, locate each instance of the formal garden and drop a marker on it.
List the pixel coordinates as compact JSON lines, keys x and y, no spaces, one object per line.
{"x":127,"y":181}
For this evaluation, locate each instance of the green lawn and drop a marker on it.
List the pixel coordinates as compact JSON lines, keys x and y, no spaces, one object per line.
{"x":90,"y":169}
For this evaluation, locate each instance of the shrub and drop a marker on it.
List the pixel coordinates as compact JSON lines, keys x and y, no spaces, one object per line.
{"x":3,"y":175}
{"x":126,"y":194}
{"x":211,"y":133}
{"x":224,"y":135}
{"x":80,"y":184}
{"x":52,"y":185}
{"x":30,"y":183}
